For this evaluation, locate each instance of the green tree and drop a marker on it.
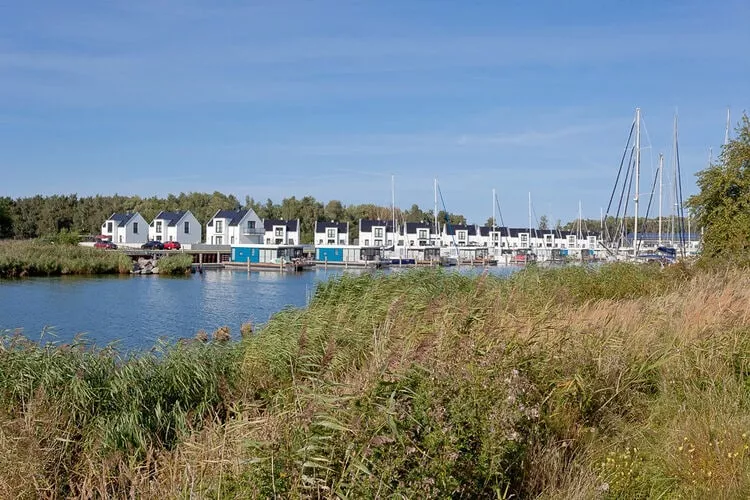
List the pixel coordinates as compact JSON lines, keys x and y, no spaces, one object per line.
{"x":6,"y":219}
{"x":543,"y":222}
{"x":722,"y":206}
{"x":334,"y":211}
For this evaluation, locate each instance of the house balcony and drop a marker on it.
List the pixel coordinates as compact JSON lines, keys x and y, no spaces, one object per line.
{"x":253,"y":231}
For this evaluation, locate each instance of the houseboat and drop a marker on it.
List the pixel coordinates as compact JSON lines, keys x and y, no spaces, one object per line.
{"x":351,"y":256}
{"x":289,"y":258}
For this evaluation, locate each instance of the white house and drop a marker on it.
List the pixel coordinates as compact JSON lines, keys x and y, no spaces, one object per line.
{"x":419,"y":234}
{"x":233,"y":227}
{"x":126,"y":229}
{"x":331,"y":233}
{"x":281,"y":232}
{"x":493,"y":237}
{"x":461,"y":235}
{"x":376,"y":233}
{"x":179,"y":226}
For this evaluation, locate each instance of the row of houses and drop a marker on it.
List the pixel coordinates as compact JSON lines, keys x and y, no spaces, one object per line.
{"x":226,"y":227}
{"x":244,"y":227}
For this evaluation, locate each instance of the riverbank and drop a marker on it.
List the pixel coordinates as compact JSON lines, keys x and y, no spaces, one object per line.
{"x":20,"y":259}
{"x":572,"y":383}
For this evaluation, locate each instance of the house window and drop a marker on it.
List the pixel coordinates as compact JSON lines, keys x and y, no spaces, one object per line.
{"x":378,"y":232}
{"x":251,"y":224}
{"x":158,"y":227}
{"x":158,"y":238}
{"x":592,"y":241}
{"x":120,"y":239}
{"x":290,"y":241}
{"x":231,"y":240}
{"x":268,"y":241}
{"x":219,"y":240}
{"x":423,"y":234}
{"x":219,"y":225}
{"x":331,"y":233}
{"x":135,"y":228}
{"x":109,"y":227}
{"x":367,"y":242}
{"x":462,"y":235}
{"x":572,"y":240}
{"x":320,"y":242}
{"x":378,"y":243}
{"x":524,"y":237}
{"x":187,"y":227}
{"x":279,"y":231}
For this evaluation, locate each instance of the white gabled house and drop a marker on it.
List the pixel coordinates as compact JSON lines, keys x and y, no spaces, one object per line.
{"x":376,"y":233}
{"x":179,"y":226}
{"x":418,"y":234}
{"x":233,"y":227}
{"x":126,"y":228}
{"x":281,"y":232}
{"x":461,"y":235}
{"x":331,"y":233}
{"x":493,"y":237}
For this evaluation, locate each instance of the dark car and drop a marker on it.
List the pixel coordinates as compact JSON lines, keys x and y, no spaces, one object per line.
{"x":172,"y":245}
{"x":107,"y":245}
{"x":153,"y":245}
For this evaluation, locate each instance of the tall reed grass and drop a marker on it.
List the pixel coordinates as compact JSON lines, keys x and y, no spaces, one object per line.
{"x":175,"y":264}
{"x":621,"y":382}
{"x":37,"y":258}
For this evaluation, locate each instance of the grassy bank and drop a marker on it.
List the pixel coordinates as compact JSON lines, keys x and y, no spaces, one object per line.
{"x":175,"y":265}
{"x":38,"y":258}
{"x":628,"y":382}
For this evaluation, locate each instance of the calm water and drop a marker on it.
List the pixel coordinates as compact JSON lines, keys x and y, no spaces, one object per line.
{"x":136,"y":311}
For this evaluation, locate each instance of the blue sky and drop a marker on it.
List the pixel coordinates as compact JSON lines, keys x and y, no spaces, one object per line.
{"x":273,"y":99}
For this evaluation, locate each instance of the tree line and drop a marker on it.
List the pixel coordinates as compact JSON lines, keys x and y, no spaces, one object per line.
{"x":51,"y":216}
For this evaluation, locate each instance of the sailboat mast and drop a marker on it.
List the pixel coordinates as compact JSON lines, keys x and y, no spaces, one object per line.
{"x":529,"y":219}
{"x":493,"y":209}
{"x":726,"y":130}
{"x":435,"y":212}
{"x":393,"y":210}
{"x":637,"y":175}
{"x":661,"y":169}
{"x":580,"y":233}
{"x":674,"y":179}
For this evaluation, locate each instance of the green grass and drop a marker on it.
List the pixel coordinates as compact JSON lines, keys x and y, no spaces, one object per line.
{"x":175,"y":264}
{"x":618,"y":382}
{"x":37,"y":258}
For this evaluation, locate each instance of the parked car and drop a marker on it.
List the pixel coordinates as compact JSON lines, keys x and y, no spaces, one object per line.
{"x":107,"y":245}
{"x":153,"y":245}
{"x":172,"y":245}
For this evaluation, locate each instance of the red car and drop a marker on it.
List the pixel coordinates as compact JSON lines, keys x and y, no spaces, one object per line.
{"x":107,"y":245}
{"x":172,"y":245}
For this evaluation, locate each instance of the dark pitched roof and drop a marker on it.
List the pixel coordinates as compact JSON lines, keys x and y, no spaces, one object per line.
{"x":291,"y":225}
{"x":470,"y":229}
{"x":321,"y":226}
{"x":411,"y":227}
{"x":172,"y":217}
{"x":234,"y":216}
{"x":366,"y":225}
{"x":485,"y":230}
{"x":121,"y":219}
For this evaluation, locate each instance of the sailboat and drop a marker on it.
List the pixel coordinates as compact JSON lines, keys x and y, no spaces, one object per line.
{"x":614,"y":238}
